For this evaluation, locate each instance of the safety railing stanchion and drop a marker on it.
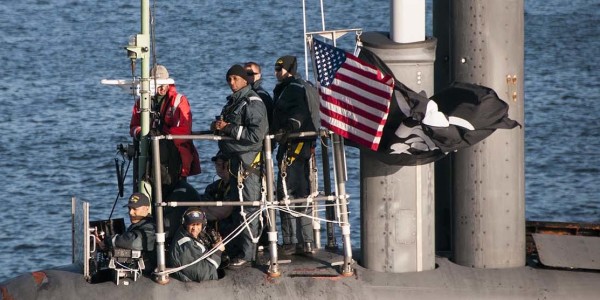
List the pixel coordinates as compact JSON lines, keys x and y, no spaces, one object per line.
{"x":272,"y":234}
{"x":329,"y":209}
{"x":160,"y":231}
{"x":314,"y":188}
{"x":340,"y":174}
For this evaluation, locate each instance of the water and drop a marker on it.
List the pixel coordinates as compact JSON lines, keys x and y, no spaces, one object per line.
{"x":60,"y":126}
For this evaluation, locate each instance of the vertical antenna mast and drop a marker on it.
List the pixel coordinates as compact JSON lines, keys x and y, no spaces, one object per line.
{"x":305,"y":35}
{"x":141,"y":47}
{"x":305,"y":48}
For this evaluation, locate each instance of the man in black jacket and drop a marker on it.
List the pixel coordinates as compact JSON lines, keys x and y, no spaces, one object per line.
{"x":291,"y":114}
{"x":254,"y":79}
{"x":140,"y":235}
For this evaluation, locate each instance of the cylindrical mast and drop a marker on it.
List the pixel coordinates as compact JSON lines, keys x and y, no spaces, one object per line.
{"x":482,"y":42}
{"x":143,"y":44}
{"x":407,"y":21}
{"x":160,"y":233}
{"x":397,"y":203}
{"x":272,"y":228}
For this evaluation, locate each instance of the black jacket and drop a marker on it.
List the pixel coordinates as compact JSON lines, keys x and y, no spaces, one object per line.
{"x":266,"y":98}
{"x":139,"y":236}
{"x":290,"y":110}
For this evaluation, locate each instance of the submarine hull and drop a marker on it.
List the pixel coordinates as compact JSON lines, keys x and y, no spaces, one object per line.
{"x":313,"y":277}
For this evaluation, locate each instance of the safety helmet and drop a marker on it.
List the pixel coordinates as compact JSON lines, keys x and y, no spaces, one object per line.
{"x":194,"y":215}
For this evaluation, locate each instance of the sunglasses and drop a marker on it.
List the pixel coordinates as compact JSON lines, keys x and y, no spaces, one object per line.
{"x":251,"y":73}
{"x":278,"y":69}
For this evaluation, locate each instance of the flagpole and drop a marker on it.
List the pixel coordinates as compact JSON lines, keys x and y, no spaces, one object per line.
{"x":340,"y":177}
{"x":304,"y":31}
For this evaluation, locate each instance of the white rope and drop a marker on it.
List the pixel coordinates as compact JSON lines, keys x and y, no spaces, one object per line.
{"x":242,"y":212}
{"x":258,"y":213}
{"x":225,"y":241}
{"x":282,"y":205}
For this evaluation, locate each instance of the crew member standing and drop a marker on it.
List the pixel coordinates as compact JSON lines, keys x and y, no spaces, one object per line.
{"x":291,"y":113}
{"x":254,"y":73}
{"x":243,"y":118}
{"x":171,"y":115}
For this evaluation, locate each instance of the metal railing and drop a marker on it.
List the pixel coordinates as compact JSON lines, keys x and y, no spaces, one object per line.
{"x":269,"y":204}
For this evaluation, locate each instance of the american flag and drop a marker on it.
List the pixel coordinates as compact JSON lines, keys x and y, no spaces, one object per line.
{"x":355,"y":95}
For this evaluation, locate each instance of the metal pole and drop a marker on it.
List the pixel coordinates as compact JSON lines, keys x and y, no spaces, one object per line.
{"x":143,"y":44}
{"x":272,"y":234}
{"x":86,"y":240}
{"x":160,"y":232}
{"x":304,"y":35}
{"x":244,"y":203}
{"x":407,"y":21}
{"x":314,"y":187}
{"x":340,"y":172}
{"x":73,"y":204}
{"x":329,"y":209}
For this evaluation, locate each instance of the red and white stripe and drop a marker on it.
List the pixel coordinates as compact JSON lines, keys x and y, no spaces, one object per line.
{"x":356,"y":104}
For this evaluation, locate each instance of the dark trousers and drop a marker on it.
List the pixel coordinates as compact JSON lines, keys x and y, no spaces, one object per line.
{"x":296,"y":229}
{"x":250,"y":192}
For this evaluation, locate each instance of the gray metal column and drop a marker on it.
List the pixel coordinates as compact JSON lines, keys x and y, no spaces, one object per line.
{"x":398,"y":202}
{"x":482,"y":42}
{"x":161,"y":263}
{"x":272,"y":228}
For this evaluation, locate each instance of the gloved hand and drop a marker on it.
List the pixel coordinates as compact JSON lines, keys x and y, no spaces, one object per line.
{"x":281,"y":136}
{"x":215,"y":239}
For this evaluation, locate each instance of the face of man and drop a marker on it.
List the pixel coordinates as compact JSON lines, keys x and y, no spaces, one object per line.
{"x":236,"y":82}
{"x":222,"y":167}
{"x":137,"y":214}
{"x":252,"y":72}
{"x":194,"y":229}
{"x":162,"y":90}
{"x":281,"y":73}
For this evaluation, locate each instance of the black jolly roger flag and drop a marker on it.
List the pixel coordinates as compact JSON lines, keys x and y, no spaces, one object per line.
{"x":421,"y":130}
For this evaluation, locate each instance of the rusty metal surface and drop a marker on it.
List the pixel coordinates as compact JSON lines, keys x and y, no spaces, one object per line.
{"x":568,"y":251}
{"x":563,"y":228}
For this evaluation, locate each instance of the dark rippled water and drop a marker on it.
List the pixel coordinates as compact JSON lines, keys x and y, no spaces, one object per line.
{"x":59,"y":126}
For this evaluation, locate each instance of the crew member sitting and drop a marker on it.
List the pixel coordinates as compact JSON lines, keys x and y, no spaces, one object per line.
{"x":140,"y":235}
{"x":190,"y":243}
{"x":217,"y":191}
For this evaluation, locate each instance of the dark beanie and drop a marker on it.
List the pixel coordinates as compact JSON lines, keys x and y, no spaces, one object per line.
{"x":287,"y":62}
{"x":236,"y":70}
{"x":220,"y":155}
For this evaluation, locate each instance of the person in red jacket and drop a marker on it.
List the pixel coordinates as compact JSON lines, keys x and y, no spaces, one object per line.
{"x":171,"y":114}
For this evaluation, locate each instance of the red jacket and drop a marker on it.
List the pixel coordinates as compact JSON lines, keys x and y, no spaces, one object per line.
{"x":176,"y":119}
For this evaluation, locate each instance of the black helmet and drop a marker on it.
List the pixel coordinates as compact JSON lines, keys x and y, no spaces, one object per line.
{"x":194,"y":215}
